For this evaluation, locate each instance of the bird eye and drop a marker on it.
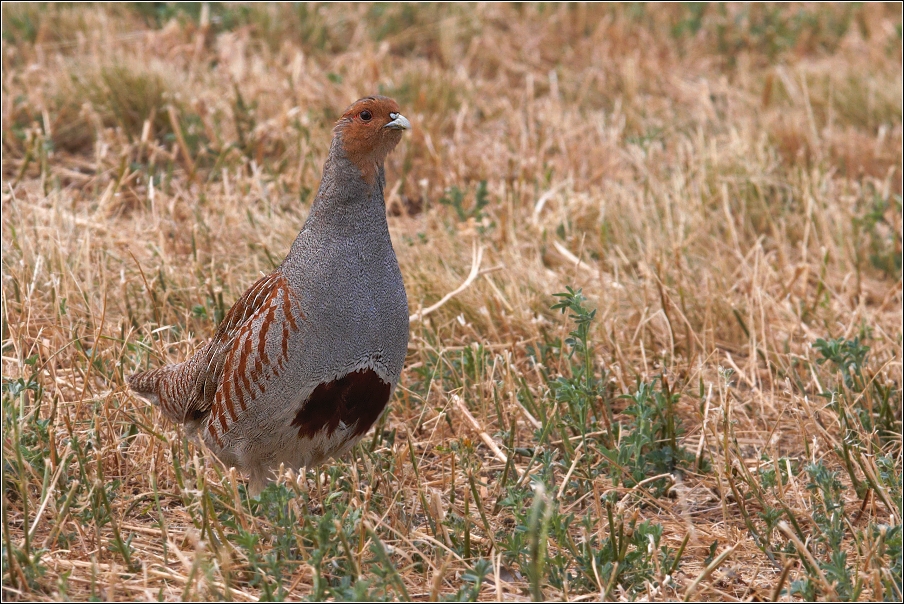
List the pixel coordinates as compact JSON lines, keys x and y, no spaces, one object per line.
{"x":366,"y":115}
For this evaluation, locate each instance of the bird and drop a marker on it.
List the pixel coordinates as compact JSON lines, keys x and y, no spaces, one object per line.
{"x":306,"y":360}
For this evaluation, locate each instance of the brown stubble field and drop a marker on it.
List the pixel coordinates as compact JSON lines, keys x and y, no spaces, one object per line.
{"x":716,"y":416}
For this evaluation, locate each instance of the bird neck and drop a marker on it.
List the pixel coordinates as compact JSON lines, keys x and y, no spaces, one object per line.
{"x":346,"y":200}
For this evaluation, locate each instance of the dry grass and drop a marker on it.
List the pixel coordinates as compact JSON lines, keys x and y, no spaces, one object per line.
{"x":724,"y":184}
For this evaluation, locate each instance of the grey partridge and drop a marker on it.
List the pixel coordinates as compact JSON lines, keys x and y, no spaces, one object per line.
{"x":306,"y":360}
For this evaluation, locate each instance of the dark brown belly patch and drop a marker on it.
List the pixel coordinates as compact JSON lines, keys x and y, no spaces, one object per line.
{"x":354,"y":399}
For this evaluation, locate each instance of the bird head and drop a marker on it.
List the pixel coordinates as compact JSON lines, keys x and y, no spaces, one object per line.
{"x":368,"y":130}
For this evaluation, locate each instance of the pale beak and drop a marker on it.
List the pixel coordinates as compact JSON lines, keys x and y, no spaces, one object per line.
{"x":399,"y":122}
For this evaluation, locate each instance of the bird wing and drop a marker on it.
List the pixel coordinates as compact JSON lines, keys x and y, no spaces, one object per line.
{"x":249,"y":347}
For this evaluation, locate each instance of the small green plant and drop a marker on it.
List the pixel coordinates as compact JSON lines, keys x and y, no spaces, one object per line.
{"x":862,"y":405}
{"x":582,"y":392}
{"x":648,"y":443}
{"x":878,"y":238}
{"x":328,"y":539}
{"x":455,"y":198}
{"x":472,"y":581}
{"x":827,"y":540}
{"x":874,"y":402}
{"x":628,"y":557}
{"x":25,"y":444}
{"x":848,"y":356}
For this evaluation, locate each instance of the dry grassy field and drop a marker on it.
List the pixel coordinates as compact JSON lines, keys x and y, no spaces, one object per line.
{"x":653,"y":261}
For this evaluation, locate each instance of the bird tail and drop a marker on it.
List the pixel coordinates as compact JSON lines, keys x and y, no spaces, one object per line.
{"x":167,"y":387}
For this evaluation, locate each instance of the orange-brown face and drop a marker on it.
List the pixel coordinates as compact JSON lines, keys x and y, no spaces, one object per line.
{"x":369,"y":130}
